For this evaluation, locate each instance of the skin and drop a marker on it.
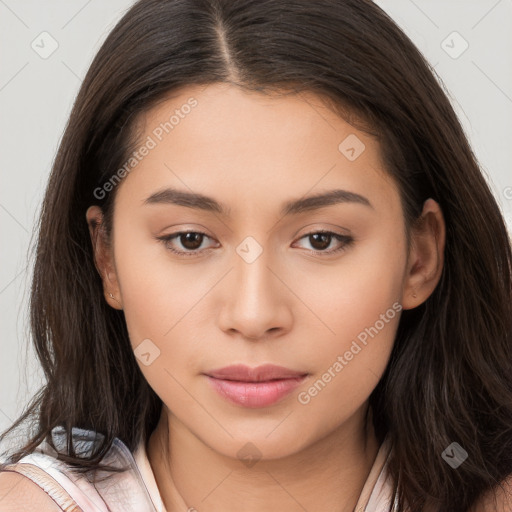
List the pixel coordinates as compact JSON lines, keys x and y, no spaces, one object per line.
{"x":288,"y":307}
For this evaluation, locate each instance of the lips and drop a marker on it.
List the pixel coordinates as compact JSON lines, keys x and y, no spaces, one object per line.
{"x":254,"y":387}
{"x":258,"y":374}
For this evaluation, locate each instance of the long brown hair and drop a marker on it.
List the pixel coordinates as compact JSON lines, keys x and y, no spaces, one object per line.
{"x":449,"y":375}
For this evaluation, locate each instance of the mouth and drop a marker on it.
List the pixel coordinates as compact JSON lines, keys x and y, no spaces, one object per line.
{"x":254,"y":387}
{"x":263,"y":373}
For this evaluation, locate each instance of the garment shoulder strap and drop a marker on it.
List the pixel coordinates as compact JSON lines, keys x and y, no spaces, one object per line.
{"x":71,"y":492}
{"x":40,"y":477}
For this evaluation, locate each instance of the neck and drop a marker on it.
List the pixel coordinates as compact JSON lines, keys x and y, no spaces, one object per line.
{"x":328,"y":475}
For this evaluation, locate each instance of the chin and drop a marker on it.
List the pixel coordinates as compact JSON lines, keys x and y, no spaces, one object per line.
{"x":252,"y":444}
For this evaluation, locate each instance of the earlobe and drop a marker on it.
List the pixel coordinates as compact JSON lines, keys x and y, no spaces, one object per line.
{"x":426,"y":256}
{"x":103,"y":257}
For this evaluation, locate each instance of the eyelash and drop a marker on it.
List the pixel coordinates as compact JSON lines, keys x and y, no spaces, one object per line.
{"x":347,"y":241}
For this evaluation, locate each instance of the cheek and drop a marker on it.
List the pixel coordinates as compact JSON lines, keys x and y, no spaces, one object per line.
{"x":158,"y":304}
{"x":350,"y":295}
{"x":157,"y":292}
{"x":162,"y":303}
{"x":360,"y":312}
{"x":349,"y":368}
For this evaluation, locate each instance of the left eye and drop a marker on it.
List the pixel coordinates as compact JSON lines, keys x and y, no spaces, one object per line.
{"x":191,"y":242}
{"x":323,"y":239}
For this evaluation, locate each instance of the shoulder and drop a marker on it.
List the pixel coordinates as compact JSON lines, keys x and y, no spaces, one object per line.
{"x":498,"y":499}
{"x":18,"y":493}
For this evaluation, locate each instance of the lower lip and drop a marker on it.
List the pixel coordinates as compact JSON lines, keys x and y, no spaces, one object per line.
{"x":254,"y":394}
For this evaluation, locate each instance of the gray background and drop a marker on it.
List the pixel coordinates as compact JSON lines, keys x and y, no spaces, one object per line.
{"x":37,"y":91}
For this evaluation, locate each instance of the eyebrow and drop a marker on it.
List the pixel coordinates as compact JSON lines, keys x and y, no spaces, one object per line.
{"x":202,"y":202}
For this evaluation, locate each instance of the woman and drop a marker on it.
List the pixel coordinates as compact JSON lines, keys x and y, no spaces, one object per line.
{"x":270,"y":275}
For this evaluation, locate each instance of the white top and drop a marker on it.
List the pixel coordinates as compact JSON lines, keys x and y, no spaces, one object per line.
{"x":136,"y":490}
{"x":142,"y":461}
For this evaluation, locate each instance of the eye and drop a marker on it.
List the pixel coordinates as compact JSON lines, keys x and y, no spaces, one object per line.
{"x":321,"y":240}
{"x":191,"y":241}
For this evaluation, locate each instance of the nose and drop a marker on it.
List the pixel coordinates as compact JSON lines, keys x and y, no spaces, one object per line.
{"x":256,"y":303}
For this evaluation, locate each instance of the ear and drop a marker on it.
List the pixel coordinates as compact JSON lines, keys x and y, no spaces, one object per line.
{"x":103,"y":256}
{"x":426,"y":256}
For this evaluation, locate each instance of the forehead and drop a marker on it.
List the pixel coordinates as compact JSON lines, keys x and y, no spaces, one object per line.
{"x":250,"y":147}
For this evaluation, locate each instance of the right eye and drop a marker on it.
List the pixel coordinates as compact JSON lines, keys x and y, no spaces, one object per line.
{"x":190,"y":241}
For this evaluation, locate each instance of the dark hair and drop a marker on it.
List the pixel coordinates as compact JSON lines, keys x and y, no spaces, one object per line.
{"x":449,"y":375}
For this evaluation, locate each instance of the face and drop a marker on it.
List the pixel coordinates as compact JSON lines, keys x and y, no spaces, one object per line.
{"x":316,"y":288}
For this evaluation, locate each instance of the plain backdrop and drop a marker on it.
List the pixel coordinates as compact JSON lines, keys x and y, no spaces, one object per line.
{"x":46,"y":48}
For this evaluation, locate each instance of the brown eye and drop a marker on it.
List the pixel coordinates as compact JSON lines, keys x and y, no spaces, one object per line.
{"x":321,"y":240}
{"x":189,"y":242}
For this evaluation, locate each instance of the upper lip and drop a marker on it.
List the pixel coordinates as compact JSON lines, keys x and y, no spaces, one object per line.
{"x":261,"y":373}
